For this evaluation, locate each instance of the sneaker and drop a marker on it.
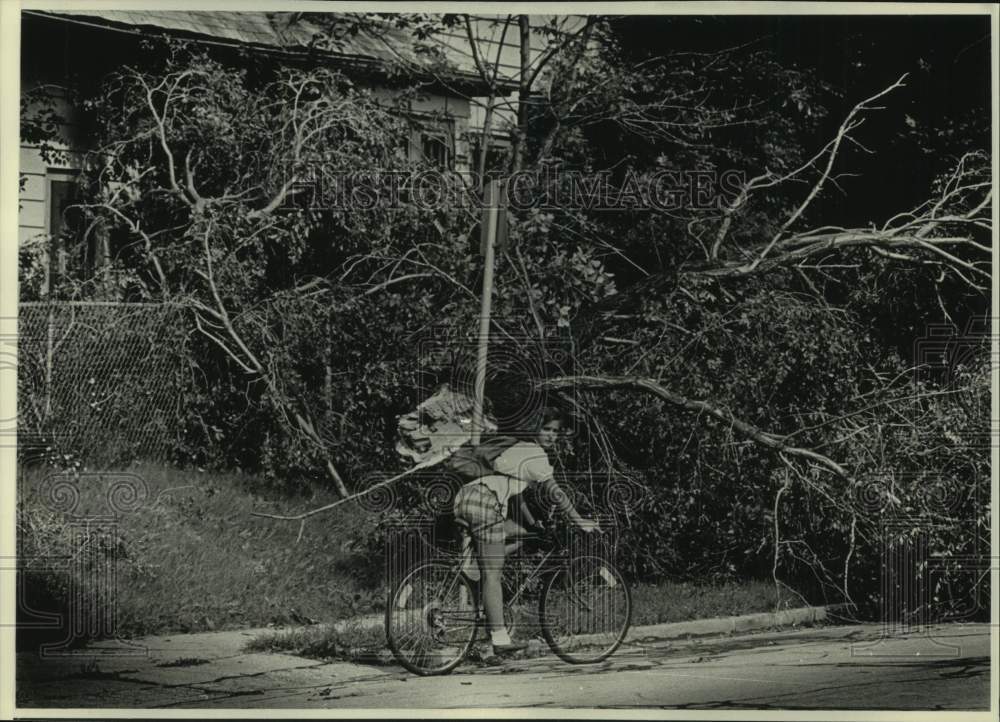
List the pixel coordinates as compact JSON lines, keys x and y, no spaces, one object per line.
{"x":502,"y":650}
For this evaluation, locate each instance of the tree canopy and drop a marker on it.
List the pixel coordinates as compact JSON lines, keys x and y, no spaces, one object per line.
{"x":747,"y":366}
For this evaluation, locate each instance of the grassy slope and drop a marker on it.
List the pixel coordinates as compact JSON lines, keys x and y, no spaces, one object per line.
{"x":191,"y":558}
{"x":679,"y":602}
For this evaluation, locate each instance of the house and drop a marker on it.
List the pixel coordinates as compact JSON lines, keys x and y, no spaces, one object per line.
{"x":68,"y":50}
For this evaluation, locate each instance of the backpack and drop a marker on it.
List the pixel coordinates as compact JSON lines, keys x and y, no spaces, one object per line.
{"x":469,"y":462}
{"x":439,"y":424}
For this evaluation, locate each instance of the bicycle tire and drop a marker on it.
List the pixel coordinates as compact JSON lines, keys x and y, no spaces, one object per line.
{"x":585,"y":610}
{"x":431,"y":619}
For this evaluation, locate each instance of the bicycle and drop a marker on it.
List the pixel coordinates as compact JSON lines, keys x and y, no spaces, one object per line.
{"x":432,"y":617}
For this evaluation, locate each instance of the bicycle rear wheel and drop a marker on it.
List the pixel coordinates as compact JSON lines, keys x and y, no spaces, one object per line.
{"x":431,"y":619}
{"x":585,"y":610}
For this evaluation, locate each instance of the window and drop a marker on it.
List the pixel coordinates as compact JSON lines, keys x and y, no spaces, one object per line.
{"x":403,"y":147}
{"x":496,"y":155}
{"x":436,"y":151}
{"x":64,"y":225}
{"x":62,"y":194}
{"x":60,"y":220}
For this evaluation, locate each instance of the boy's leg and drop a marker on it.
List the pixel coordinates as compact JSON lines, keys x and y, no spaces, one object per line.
{"x":514,"y":535}
{"x":470,"y":567}
{"x":491,"y":556}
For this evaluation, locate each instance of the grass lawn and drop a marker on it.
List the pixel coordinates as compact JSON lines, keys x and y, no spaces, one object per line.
{"x":190,"y":557}
{"x":679,"y":602}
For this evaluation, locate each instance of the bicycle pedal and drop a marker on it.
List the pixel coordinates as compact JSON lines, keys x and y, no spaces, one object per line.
{"x":476,"y":654}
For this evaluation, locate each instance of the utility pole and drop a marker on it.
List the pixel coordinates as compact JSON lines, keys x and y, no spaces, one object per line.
{"x":492,"y":217}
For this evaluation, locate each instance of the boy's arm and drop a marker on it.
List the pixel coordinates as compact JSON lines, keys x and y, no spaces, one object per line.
{"x":554,"y":492}
{"x":538,"y":469}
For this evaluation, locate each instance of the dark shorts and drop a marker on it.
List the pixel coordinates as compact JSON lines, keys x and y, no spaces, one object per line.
{"x":478,"y":506}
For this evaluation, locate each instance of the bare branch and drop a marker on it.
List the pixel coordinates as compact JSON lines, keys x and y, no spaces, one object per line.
{"x":845,"y":127}
{"x":437,"y":458}
{"x":772,"y":441}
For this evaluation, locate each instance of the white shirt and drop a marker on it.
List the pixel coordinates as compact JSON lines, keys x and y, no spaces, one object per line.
{"x":521,"y":465}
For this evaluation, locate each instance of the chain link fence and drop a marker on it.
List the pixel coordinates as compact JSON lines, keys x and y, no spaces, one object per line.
{"x":98,"y":382}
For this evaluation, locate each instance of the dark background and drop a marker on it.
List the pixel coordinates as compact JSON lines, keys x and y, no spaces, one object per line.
{"x":946,"y":98}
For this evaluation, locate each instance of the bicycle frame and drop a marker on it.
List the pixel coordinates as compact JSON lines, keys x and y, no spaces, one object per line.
{"x":455,"y":604}
{"x":535,"y":572}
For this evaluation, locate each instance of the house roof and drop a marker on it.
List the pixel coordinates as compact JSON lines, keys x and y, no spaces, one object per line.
{"x":279,"y":31}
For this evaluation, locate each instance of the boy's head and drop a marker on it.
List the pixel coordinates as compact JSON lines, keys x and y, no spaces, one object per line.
{"x":551,"y":422}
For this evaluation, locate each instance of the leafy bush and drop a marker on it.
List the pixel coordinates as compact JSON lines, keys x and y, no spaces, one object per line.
{"x":801,"y":426}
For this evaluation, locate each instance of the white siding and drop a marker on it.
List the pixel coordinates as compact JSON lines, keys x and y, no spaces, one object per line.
{"x":33,"y":202}
{"x":32,"y":216}
{"x":25,"y":234}
{"x":489,"y":29}
{"x":34,"y":187}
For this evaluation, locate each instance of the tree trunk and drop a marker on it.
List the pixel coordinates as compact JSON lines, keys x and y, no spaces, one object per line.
{"x":523,"y":93}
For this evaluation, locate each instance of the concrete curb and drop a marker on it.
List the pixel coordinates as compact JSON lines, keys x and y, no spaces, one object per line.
{"x":366,"y":622}
{"x":697,"y":628}
{"x":670,"y":630}
{"x":729,"y":625}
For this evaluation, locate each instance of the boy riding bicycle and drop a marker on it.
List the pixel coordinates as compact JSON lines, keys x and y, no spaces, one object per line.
{"x":481,"y":506}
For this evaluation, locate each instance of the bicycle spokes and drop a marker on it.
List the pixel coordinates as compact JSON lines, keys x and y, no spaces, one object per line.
{"x":585,"y":610}
{"x":431,"y":620}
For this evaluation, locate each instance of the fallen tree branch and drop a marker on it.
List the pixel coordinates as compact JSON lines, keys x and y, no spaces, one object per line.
{"x":772,"y":441}
{"x":437,"y":458}
{"x":799,"y":247}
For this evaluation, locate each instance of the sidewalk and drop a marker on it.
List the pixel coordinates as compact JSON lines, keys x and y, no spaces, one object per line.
{"x":849,"y":667}
{"x":726,"y":625}
{"x":174,"y":670}
{"x":190,"y":669}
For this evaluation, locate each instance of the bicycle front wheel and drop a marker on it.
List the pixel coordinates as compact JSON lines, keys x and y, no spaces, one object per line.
{"x":431,"y":620}
{"x":585,"y":610}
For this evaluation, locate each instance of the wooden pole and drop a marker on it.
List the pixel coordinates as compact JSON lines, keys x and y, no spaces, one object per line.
{"x":489,"y":238}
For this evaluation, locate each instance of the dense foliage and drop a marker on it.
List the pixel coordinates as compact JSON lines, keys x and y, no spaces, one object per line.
{"x":803,"y":427}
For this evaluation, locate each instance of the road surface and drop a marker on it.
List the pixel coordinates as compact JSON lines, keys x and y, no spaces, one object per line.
{"x":831,"y":668}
